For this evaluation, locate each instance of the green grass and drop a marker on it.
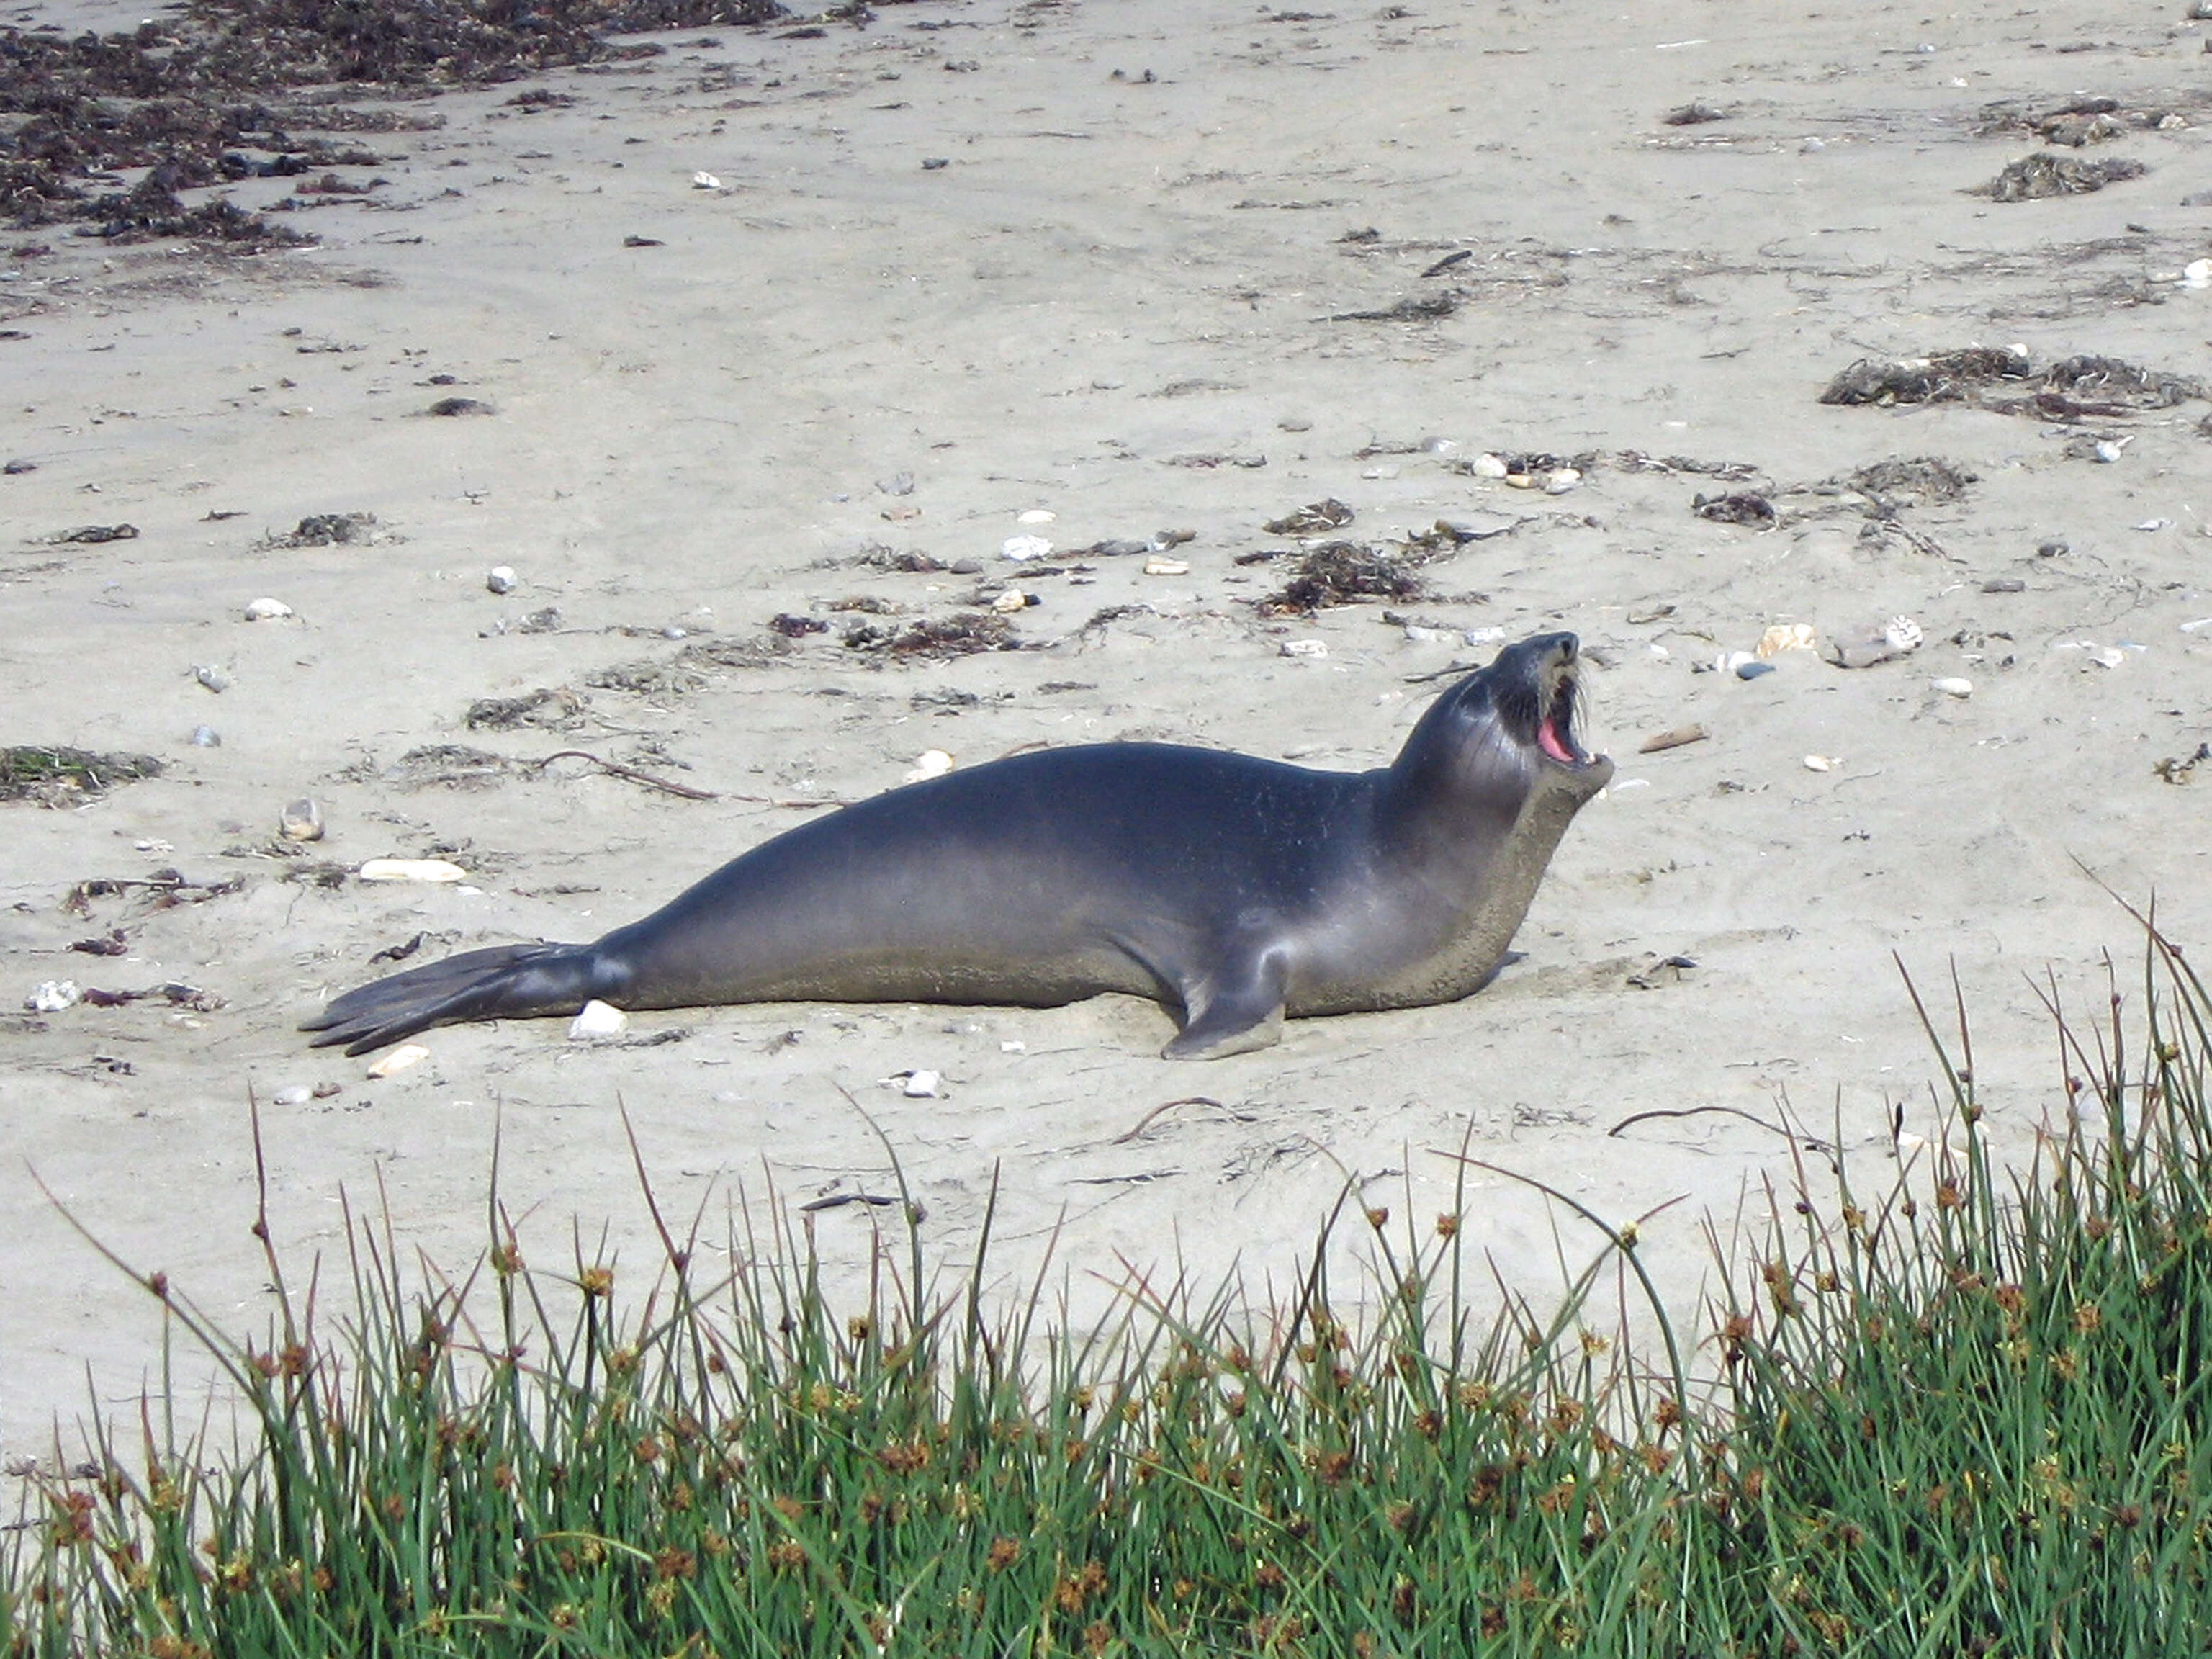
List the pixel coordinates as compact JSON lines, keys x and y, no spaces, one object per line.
{"x":1965,"y":1415}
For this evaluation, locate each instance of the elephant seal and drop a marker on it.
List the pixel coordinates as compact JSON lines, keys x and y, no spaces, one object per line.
{"x":1233,"y":891}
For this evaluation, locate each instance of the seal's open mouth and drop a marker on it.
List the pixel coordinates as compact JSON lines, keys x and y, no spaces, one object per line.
{"x":1555,"y":731}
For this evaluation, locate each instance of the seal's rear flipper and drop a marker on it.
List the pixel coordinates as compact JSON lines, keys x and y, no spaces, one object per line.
{"x":1232,"y":1018}
{"x":507,"y":980}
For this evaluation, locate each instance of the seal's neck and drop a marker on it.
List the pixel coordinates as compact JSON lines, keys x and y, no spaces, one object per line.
{"x":1480,"y":852}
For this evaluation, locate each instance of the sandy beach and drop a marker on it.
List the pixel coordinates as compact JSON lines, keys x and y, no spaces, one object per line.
{"x":778,"y":328}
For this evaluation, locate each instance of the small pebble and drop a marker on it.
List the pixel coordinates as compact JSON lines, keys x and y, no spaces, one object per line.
{"x":1733,"y":662}
{"x":1562,"y":480}
{"x":1157,"y":566}
{"x":1752,"y":669}
{"x":1025,"y":547}
{"x":53,"y":995}
{"x":1482,"y":636}
{"x":1305,"y":648}
{"x":1487,"y":466}
{"x":408,"y":1054}
{"x":410,"y":870}
{"x":298,"y":1094}
{"x":1294,"y":423}
{"x":2109,"y":450}
{"x":501,"y":579}
{"x":211,"y":676}
{"x":2004,"y":585}
{"x":302,"y":820}
{"x":206,"y":736}
{"x":267,"y":611}
{"x":1011,"y":600}
{"x":920,"y":1085}
{"x":2197,"y":273}
{"x":597,"y":1019}
{"x":1953,"y":687}
{"x":1821,"y":762}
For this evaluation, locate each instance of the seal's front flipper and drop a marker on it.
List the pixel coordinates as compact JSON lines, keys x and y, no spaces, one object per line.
{"x":507,"y":980}
{"x":1231,"y":1011}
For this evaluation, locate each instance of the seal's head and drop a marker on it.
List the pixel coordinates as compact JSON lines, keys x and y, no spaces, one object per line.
{"x":1513,"y":723}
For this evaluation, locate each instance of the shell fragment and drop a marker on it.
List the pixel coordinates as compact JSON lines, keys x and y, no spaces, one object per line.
{"x":410,"y":870}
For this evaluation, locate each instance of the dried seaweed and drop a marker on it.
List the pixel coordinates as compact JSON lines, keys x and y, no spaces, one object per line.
{"x":959,"y":635}
{"x":190,"y":95}
{"x":544,"y":708}
{"x":326,"y":530}
{"x":56,"y":775}
{"x":1946,"y":377}
{"x":1923,"y":481}
{"x":1341,"y":572}
{"x":2043,"y":174}
{"x":1742,"y":507}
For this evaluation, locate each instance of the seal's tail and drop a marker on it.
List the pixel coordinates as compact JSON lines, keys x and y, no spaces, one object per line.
{"x":507,"y":980}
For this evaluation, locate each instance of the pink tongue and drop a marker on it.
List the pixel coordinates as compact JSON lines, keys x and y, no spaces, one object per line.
{"x":1549,"y":741}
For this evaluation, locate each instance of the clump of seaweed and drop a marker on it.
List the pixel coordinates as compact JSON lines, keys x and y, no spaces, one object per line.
{"x":2032,"y":178}
{"x":54,"y":775}
{"x":1341,"y":572}
{"x":1944,"y":377}
{"x":198,"y":95}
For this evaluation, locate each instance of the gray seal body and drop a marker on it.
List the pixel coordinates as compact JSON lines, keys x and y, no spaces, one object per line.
{"x":1233,"y":891}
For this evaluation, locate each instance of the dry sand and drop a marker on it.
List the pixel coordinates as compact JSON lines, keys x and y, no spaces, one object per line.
{"x":1146,"y":211}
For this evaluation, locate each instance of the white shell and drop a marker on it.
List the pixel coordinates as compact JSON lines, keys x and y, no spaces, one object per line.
{"x":920,"y":1085}
{"x":267,"y":611}
{"x":1038,"y":515}
{"x":501,"y":579}
{"x":1305,"y":648}
{"x":597,"y":1019}
{"x":52,"y":996}
{"x":298,"y":1094}
{"x":1786,"y":637}
{"x":1487,"y":465}
{"x":1953,"y":687}
{"x":1025,"y":547}
{"x":2110,"y":657}
{"x":408,"y":1054}
{"x":410,"y":870}
{"x":2197,"y":273}
{"x":705,"y":181}
{"x":930,"y":763}
{"x":1482,"y":636}
{"x":1562,"y":480}
{"x":1821,"y":762}
{"x":1011,"y":600}
{"x":1157,"y":566}
{"x":1902,"y":633}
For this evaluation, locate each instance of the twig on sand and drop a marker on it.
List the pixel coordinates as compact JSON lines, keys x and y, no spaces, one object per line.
{"x":631,"y":773}
{"x":1145,"y":1123}
{"x":1812,"y":1143}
